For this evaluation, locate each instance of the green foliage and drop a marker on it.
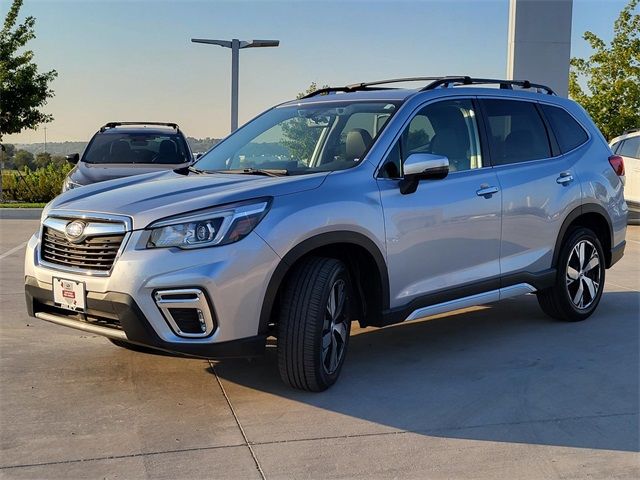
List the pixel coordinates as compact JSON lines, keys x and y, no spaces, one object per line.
{"x":23,"y":90}
{"x":42,"y":159}
{"x":612,"y":76}
{"x":40,"y":185}
{"x":8,"y":150}
{"x":200,"y":145}
{"x":23,"y":159}
{"x":299,"y":138}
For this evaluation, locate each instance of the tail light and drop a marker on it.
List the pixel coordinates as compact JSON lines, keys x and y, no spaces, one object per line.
{"x":617,"y":163}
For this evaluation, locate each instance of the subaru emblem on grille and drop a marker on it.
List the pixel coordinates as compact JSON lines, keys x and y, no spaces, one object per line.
{"x":74,"y":231}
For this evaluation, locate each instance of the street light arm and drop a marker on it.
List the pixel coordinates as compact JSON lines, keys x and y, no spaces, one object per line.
{"x":259,"y":43}
{"x":222,"y":43}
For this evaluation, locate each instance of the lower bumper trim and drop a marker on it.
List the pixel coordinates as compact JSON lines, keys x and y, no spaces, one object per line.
{"x":84,"y":326}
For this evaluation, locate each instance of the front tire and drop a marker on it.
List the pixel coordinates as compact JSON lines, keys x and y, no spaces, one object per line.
{"x":314,"y":323}
{"x":580,"y":278}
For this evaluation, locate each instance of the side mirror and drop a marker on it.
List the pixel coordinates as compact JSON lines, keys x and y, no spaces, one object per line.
{"x":73,"y":158}
{"x":422,"y":166}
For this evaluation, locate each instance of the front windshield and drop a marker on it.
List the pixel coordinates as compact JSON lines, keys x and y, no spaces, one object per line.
{"x":138,"y":147}
{"x":302,"y":138}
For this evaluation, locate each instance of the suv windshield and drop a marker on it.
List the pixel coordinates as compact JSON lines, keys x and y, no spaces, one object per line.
{"x":138,"y":147}
{"x":302,"y":138}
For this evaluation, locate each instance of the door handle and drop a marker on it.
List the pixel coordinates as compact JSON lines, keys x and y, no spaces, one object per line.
{"x":565,"y":178}
{"x":486,"y":191}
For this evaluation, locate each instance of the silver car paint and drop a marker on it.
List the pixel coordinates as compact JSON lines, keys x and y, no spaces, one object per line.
{"x":442,"y":236}
{"x":86,"y":173}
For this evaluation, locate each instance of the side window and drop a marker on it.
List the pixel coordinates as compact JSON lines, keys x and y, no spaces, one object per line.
{"x":516,"y":131}
{"x":630,"y":148}
{"x":569,"y":133}
{"x":446,"y":128}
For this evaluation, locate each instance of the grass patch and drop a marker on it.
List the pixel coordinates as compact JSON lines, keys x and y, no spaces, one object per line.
{"x":22,"y":205}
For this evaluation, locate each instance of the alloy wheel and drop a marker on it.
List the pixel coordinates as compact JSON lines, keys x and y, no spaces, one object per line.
{"x":334,"y":329}
{"x":583,"y":274}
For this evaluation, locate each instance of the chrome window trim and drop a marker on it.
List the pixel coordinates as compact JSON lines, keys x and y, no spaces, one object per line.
{"x":71,"y":215}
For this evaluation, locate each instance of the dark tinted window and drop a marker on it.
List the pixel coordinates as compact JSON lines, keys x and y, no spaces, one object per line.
{"x":516,"y":131}
{"x":569,"y":133}
{"x":154,"y":148}
{"x":630,"y":148}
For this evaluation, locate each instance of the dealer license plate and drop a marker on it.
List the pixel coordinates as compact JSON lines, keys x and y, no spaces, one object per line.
{"x":69,"y":294}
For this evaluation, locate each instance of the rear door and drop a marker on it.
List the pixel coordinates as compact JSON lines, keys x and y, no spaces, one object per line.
{"x":538,"y":183}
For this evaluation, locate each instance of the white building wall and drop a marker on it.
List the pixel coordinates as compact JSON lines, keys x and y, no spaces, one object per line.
{"x":540,"y":42}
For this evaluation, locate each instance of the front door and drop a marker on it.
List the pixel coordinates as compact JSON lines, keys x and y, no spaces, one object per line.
{"x":447,"y":233}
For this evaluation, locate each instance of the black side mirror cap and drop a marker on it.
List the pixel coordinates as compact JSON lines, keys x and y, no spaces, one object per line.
{"x":73,"y":158}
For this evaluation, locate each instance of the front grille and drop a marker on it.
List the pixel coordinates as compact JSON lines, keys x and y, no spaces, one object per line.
{"x":94,"y":253}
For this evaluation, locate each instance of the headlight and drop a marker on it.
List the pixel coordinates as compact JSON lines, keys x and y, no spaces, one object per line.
{"x":69,"y":184}
{"x":216,"y":226}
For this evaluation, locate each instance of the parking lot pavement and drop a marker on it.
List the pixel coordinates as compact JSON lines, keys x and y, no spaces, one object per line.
{"x":497,"y":391}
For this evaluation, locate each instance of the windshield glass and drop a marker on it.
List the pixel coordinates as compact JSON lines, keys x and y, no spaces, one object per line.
{"x":302,"y":139}
{"x":127,"y":147}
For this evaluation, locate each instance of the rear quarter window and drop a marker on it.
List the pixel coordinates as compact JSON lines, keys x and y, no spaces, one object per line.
{"x":569,"y":133}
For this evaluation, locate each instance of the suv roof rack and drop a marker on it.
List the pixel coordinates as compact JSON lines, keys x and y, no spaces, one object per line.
{"x":435,"y":82}
{"x":631,"y":130}
{"x":446,"y":82}
{"x":354,"y":87}
{"x":118,"y":124}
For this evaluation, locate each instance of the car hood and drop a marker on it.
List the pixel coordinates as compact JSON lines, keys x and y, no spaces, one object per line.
{"x":149,"y":197}
{"x":88,"y":173}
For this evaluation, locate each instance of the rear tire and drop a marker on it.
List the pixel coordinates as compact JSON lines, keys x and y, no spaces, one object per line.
{"x":314,"y":323}
{"x":579,"y":280}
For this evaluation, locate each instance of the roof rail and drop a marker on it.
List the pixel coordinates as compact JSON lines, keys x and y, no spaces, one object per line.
{"x":631,"y":130}
{"x":435,"y":82}
{"x":354,"y":87}
{"x":446,"y":82}
{"x":118,"y":124}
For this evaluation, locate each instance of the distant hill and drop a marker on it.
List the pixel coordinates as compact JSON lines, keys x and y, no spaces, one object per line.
{"x":198,"y":145}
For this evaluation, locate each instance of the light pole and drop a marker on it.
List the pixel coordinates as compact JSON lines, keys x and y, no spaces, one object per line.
{"x":235,"y":45}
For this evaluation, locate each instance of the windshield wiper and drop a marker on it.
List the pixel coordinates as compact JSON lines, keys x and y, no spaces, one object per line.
{"x":269,"y":172}
{"x":193,"y":169}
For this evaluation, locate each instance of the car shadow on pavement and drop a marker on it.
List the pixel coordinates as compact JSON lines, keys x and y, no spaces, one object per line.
{"x":503,"y":372}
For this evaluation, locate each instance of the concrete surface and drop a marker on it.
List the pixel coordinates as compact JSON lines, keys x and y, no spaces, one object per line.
{"x":20,"y":213}
{"x":498,"y":391}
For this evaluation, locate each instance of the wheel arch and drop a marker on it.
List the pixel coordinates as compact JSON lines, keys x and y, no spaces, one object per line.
{"x":363,"y":258}
{"x":592,"y":216}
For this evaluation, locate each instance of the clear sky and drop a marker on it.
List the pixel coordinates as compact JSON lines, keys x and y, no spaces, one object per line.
{"x":133,"y":60}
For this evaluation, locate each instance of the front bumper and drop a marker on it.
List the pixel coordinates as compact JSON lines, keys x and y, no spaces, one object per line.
{"x":234,"y":278}
{"x":117,"y":316}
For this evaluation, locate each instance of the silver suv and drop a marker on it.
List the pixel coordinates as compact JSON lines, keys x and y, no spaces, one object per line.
{"x":362,"y":203}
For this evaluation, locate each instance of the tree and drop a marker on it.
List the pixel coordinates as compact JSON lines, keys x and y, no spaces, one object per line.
{"x":612,"y":75}
{"x":299,"y":138}
{"x":23,"y":159}
{"x":23,"y":90}
{"x":43,"y":159}
{"x":58,"y":161}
